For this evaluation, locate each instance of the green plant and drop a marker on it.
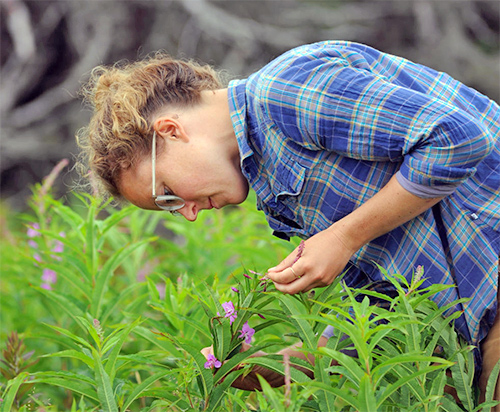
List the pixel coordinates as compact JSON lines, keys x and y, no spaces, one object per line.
{"x":112,"y":308}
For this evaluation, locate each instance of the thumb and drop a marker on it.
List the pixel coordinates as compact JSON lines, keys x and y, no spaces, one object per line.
{"x":207,"y":351}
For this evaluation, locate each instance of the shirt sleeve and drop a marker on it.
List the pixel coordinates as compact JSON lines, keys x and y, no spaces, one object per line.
{"x":331,"y":106}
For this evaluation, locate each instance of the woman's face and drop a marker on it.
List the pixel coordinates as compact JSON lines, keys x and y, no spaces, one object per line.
{"x":204,"y":174}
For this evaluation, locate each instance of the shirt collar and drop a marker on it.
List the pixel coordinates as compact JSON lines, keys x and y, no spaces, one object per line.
{"x":238,"y":109}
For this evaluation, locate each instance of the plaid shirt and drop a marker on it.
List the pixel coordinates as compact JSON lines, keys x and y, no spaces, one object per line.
{"x":324,"y":126}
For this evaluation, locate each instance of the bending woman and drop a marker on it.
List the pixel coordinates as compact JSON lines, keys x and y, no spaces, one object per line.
{"x":374,"y":159}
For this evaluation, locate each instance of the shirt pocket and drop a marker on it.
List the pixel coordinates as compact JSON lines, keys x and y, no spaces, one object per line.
{"x":288,"y":179}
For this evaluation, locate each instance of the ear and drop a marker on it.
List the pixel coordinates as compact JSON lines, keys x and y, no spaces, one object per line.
{"x":169,"y":127}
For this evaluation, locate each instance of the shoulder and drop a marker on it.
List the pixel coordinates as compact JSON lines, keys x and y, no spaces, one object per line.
{"x":302,"y":58}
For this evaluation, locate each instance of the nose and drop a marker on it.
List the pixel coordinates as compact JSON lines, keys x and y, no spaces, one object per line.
{"x":189,"y":211}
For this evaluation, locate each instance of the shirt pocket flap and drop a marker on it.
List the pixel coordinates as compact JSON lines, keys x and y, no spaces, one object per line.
{"x":289,"y":179}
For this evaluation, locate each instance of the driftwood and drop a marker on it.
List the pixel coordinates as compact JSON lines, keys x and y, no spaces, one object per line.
{"x":48,"y":48}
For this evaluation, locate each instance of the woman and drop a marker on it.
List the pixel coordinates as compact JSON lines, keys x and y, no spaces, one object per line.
{"x":375,"y":160}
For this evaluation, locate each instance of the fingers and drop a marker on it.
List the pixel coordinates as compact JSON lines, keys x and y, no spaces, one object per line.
{"x":287,"y":275}
{"x":299,"y":285}
{"x":207,"y":351}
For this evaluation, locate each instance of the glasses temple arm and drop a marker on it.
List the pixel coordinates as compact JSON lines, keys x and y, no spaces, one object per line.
{"x":153,"y":163}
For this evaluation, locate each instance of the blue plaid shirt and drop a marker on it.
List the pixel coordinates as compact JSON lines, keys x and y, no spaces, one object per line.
{"x":324,"y":126}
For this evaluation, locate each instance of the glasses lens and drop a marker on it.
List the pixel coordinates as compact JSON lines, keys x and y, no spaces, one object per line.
{"x":170,"y":203}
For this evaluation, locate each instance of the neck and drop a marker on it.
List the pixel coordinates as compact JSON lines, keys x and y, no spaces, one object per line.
{"x":211,"y":118}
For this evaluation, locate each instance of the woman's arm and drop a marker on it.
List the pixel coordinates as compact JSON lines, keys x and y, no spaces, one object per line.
{"x":326,"y":254}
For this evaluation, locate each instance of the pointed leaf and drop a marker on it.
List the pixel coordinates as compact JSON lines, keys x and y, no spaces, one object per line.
{"x":142,"y":387}
{"x":105,"y":274}
{"x":74,"y":354}
{"x":9,"y":396}
{"x":104,"y":387}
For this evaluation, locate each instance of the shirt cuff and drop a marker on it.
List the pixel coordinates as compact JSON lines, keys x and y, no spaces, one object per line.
{"x":329,"y":332}
{"x":425,"y":192}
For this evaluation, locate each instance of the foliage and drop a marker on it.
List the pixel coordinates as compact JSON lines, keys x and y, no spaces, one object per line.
{"x":108,"y":310}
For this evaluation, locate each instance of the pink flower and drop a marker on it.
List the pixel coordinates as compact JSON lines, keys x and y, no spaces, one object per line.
{"x":246,"y":332}
{"x":230,"y":312}
{"x":212,"y":362}
{"x":33,"y":231}
{"x":249,"y":277}
{"x":234,"y":289}
{"x":46,"y":286}
{"x":49,"y":276}
{"x":161,"y":288}
{"x":300,"y":249}
{"x":59,"y":247}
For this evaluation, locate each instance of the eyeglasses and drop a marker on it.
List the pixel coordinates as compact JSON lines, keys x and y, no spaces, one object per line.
{"x":170,"y":203}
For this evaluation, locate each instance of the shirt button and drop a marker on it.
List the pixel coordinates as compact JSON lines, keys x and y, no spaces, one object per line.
{"x":473,"y":216}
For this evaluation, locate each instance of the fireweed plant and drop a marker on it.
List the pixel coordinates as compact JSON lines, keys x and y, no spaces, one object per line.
{"x":107,"y":310}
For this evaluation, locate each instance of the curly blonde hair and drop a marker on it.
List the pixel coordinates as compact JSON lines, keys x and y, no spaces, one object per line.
{"x":125,"y":98}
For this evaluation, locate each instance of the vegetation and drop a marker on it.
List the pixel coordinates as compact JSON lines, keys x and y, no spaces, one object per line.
{"x":107,"y":310}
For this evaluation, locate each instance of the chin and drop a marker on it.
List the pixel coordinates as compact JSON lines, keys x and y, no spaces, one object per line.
{"x":238,"y":197}
{"x":243,"y":193}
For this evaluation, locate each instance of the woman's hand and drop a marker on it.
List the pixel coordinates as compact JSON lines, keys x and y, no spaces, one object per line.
{"x":324,"y":256}
{"x":250,"y":382}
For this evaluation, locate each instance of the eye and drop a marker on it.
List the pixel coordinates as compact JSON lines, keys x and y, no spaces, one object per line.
{"x":167,"y":192}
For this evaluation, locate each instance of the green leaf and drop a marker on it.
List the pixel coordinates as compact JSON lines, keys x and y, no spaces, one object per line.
{"x":104,"y":387}
{"x":218,"y":392}
{"x":10,"y":393}
{"x":339,"y":393}
{"x":73,"y":219}
{"x":158,"y":339}
{"x":70,"y":335}
{"x":90,"y":246}
{"x":237,"y":359}
{"x":74,"y":354}
{"x":71,"y":381}
{"x":205,"y":374}
{"x":142,"y":387}
{"x":326,"y":399}
{"x":459,"y":373}
{"x":294,"y":309}
{"x":79,"y":280}
{"x":114,"y":218}
{"x":493,"y":381}
{"x":448,"y":404}
{"x":66,"y":304}
{"x":118,"y":343}
{"x":105,"y":274}
{"x":366,"y":396}
{"x":275,"y":363}
{"x":350,"y":366}
{"x":401,"y":382}
{"x":410,"y":357}
{"x":270,"y":395}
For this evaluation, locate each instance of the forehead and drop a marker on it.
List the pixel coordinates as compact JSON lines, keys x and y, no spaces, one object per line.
{"x":135,"y":184}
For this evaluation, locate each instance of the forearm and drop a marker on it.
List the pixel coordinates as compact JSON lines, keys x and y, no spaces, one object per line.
{"x":391,"y":207}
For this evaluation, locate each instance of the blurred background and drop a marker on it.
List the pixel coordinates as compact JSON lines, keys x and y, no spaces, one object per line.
{"x":49,"y":47}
